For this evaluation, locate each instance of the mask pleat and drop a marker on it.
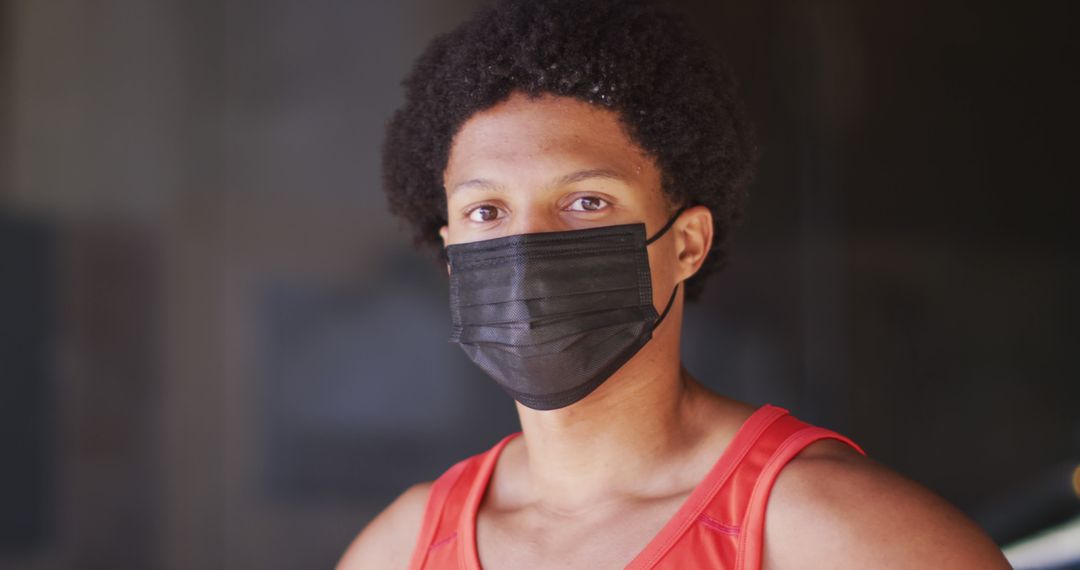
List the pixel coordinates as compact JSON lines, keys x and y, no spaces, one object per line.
{"x":533,"y":309}
{"x":539,"y":333}
{"x":539,"y":279}
{"x":515,"y":368}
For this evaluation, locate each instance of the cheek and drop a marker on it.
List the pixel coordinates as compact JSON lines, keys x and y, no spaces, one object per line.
{"x":662,"y":270}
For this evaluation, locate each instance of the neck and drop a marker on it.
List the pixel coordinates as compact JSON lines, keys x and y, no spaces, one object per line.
{"x":619,"y":441}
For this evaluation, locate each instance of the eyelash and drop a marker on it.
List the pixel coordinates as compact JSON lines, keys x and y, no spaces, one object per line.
{"x":604,"y":203}
{"x":469,"y":212}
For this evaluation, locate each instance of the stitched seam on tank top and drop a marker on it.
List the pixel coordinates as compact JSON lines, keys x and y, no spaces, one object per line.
{"x":810,"y":434}
{"x":461,"y":466}
{"x":781,"y":450}
{"x":442,"y":542}
{"x":718,"y":526}
{"x":700,"y":507}
{"x":468,"y":538}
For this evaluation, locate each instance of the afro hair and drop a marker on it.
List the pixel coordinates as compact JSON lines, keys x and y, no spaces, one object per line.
{"x":674,"y":98}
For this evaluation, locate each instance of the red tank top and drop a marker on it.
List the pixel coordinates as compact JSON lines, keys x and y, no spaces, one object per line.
{"x":720,"y":525}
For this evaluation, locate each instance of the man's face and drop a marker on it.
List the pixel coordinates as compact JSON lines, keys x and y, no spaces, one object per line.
{"x":551,"y":164}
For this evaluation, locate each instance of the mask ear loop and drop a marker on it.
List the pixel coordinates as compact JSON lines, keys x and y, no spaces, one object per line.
{"x":655,"y":237}
{"x":666,"y":227}
{"x":670,"y":302}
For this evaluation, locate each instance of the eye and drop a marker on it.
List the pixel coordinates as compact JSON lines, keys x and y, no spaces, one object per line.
{"x":483,"y":213}
{"x":587,"y":204}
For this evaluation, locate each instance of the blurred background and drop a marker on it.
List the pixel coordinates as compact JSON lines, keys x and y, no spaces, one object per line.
{"x":218,"y":350}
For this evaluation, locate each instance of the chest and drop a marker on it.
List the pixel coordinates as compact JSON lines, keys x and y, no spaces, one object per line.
{"x":608,"y":536}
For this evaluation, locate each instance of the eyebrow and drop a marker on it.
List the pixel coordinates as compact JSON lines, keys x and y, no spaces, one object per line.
{"x":563,"y":180}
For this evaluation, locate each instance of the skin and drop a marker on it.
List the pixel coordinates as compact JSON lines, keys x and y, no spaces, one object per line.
{"x":589,"y":485}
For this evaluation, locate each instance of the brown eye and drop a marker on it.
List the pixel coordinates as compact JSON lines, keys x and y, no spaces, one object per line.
{"x":483,"y":213}
{"x":587,"y":204}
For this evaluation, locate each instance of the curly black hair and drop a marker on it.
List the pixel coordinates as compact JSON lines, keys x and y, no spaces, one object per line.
{"x":677,"y":101}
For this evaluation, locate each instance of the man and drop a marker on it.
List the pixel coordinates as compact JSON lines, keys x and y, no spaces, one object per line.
{"x":582,"y":163}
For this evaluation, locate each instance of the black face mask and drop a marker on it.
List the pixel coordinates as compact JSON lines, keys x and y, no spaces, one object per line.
{"x":552,"y":315}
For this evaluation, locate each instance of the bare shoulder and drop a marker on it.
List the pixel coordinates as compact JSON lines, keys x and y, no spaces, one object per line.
{"x":834,"y":508}
{"x":388,"y":540}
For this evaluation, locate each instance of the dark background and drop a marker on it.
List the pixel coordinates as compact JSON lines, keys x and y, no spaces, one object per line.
{"x":217,"y":349}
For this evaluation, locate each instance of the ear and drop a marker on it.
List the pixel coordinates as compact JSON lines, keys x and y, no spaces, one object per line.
{"x":443,"y":233}
{"x":694,"y":235}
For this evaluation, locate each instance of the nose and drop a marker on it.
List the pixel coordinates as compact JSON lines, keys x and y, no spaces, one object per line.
{"x":535,"y":217}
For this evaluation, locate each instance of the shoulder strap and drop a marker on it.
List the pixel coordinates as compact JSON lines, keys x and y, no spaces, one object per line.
{"x":785,"y":439}
{"x":443,"y":506}
{"x":472,"y":496}
{"x":720,"y":498}
{"x":452,"y":503}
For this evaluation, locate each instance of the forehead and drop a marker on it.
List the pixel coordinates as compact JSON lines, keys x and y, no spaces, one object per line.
{"x":521,"y":137}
